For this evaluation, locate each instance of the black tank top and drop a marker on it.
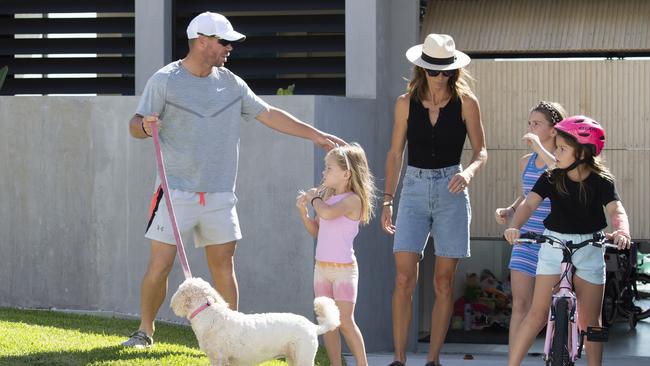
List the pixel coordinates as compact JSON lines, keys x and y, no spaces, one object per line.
{"x":439,"y":146}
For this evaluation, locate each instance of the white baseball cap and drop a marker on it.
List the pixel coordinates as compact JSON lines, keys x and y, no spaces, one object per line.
{"x":213,"y":24}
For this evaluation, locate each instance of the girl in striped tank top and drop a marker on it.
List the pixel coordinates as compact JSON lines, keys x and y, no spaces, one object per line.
{"x":523,"y":261}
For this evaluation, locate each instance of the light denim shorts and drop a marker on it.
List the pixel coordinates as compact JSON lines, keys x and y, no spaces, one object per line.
{"x":588,"y":261}
{"x":426,"y":207}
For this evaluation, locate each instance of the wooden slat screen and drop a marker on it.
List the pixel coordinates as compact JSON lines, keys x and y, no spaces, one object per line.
{"x":114,"y":46}
{"x":615,"y":93}
{"x":288,"y":42}
{"x":543,"y":29}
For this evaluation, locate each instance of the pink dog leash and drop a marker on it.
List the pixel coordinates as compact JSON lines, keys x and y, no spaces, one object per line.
{"x":168,"y":201}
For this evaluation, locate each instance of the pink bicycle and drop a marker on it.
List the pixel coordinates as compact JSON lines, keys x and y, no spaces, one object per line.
{"x":564,"y":339}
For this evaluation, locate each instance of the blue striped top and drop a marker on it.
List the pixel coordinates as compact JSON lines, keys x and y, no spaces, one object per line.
{"x":528,"y":179}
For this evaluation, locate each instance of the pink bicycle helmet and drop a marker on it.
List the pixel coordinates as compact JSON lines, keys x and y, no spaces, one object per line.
{"x":585,"y":130}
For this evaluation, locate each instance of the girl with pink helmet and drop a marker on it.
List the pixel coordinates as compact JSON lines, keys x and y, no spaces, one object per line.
{"x":578,"y":188}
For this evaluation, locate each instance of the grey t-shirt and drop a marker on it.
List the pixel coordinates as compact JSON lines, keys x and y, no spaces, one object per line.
{"x":200,"y":121}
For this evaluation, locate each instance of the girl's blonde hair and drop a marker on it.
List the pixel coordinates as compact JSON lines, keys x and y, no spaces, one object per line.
{"x":593,"y":163}
{"x":352,"y":157}
{"x":458,"y":84}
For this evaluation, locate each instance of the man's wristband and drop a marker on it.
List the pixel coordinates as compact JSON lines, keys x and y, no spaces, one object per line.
{"x":143,"y":130}
{"x":312,"y":200}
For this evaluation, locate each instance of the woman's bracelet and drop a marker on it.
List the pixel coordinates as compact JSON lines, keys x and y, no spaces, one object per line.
{"x":388,"y":203}
{"x":312,"y":200}
{"x":143,"y":130}
{"x":389,"y":195}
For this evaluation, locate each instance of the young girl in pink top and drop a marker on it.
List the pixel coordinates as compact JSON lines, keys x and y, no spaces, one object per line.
{"x":344,"y":200}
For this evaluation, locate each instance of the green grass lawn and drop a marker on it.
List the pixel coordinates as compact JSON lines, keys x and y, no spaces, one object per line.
{"x":34,"y":337}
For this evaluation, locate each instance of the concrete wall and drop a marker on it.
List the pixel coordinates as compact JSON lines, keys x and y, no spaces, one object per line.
{"x":76,"y":191}
{"x":75,"y":205}
{"x":361,"y":48}
{"x":373,"y":247}
{"x":397,"y":29}
{"x":153,"y":39}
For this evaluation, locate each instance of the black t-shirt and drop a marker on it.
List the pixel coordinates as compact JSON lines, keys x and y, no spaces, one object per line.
{"x":569,"y":213}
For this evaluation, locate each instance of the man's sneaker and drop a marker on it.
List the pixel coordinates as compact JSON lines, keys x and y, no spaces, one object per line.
{"x":139,"y":339}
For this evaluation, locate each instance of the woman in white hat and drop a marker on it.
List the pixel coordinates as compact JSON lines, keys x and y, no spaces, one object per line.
{"x":435,"y":116}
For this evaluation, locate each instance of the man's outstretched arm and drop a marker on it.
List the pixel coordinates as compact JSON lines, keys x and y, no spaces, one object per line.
{"x":284,"y":122}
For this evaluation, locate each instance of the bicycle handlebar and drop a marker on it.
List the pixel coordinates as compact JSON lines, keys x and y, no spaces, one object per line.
{"x":598,"y":240}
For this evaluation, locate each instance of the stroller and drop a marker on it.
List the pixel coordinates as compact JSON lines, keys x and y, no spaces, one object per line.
{"x":627,"y":286}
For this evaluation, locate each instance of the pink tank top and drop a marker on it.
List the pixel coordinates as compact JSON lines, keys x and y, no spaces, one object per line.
{"x":336,"y":237}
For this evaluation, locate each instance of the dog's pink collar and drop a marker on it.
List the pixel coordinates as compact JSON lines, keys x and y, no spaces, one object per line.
{"x":200,"y":309}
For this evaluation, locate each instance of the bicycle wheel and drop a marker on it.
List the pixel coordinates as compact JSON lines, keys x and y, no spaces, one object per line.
{"x":610,"y":311}
{"x":560,"y":343}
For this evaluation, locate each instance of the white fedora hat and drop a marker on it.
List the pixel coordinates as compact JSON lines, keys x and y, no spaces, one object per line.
{"x":213,"y":24}
{"x":438,"y":52}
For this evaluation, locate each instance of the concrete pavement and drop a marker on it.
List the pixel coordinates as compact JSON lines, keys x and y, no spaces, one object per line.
{"x":419,"y":359}
{"x":625,"y":347}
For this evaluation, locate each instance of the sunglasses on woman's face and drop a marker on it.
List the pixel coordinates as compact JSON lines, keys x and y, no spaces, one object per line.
{"x":223,"y":42}
{"x":445,"y":73}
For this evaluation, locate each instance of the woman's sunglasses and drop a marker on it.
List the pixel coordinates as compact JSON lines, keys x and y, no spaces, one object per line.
{"x":445,"y":73}
{"x":223,"y":42}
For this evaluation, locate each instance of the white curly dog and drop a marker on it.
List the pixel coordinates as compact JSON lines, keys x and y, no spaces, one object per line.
{"x":232,"y":338}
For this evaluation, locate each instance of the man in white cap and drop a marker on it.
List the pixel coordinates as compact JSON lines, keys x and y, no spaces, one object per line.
{"x":198,"y":105}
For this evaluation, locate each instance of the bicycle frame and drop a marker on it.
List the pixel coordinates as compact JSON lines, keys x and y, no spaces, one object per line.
{"x":565,"y":292}
{"x":575,"y":336}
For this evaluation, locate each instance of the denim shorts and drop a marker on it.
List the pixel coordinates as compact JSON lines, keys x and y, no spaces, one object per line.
{"x":588,"y":261}
{"x":426,"y":208}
